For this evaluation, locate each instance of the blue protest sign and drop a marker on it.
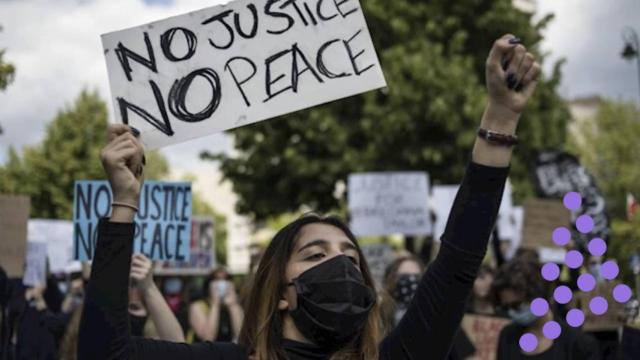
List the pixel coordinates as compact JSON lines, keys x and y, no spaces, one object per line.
{"x":162,"y":225}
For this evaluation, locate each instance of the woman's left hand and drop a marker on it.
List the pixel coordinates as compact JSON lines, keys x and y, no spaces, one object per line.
{"x":231,"y":298}
{"x":141,"y":272}
{"x":511,"y":75}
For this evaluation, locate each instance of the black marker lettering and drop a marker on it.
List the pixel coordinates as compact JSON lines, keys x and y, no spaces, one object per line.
{"x":220,"y":17}
{"x":268,"y":81}
{"x":322,"y":16}
{"x":163,"y":125}
{"x":185,"y":204}
{"x":322,"y":68}
{"x":243,"y":81}
{"x":178,"y":96}
{"x":166,"y":242}
{"x":254,"y":27}
{"x":313,"y":19}
{"x":124,"y":54}
{"x":96,"y":201}
{"x":157,"y":242}
{"x":154,"y":191}
{"x":181,"y":229}
{"x":295,"y":72}
{"x":277,"y":14}
{"x":167,"y":38}
{"x":84,"y":200}
{"x":354,"y":57}
{"x":295,"y":6}
{"x":344,"y":14}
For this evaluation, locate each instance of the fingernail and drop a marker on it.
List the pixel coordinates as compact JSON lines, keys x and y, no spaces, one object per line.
{"x":519,"y":87}
{"x":144,"y":160}
{"x":511,"y":81}
{"x":134,"y":131}
{"x":515,"y":40}
{"x":505,"y":64}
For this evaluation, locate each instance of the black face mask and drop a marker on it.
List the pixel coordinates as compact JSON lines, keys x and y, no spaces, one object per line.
{"x":406,"y":286}
{"x":333,"y":302}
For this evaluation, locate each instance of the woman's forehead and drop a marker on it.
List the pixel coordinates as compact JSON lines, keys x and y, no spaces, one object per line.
{"x":320,"y":231}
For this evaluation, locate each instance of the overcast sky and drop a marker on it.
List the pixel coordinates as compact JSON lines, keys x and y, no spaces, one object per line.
{"x":56,"y":48}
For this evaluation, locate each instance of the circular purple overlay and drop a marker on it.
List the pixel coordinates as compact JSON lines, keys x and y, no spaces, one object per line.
{"x":584,"y":223}
{"x":573,"y":259}
{"x":539,"y":307}
{"x":561,"y":236}
{"x":622,"y":293}
{"x":562,"y":294}
{"x":528,"y":342}
{"x":551,"y":330}
{"x":575,"y":318}
{"x":598,"y":305}
{"x":597,"y":247}
{"x":550,"y":271}
{"x":572,"y":200}
{"x":586,"y":282}
{"x":610,"y":270}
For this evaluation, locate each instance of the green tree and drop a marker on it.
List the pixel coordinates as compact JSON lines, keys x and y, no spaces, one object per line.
{"x":432,"y":54}
{"x":608,"y":148}
{"x":7,"y":70}
{"x":69,"y":152}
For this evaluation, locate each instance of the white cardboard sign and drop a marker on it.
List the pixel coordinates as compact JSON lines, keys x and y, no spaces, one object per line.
{"x":389,"y":203}
{"x":230,"y":65}
{"x":58,"y":235}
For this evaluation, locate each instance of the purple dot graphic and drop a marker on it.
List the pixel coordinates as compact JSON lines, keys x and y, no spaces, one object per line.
{"x":562,"y":294}
{"x":575,"y":318}
{"x":598,"y":305}
{"x":573,"y":259}
{"x":584,"y":223}
{"x":539,"y":307}
{"x":550,"y":271}
{"x":561,"y":236}
{"x":572,"y":200}
{"x":622,"y":293}
{"x":586,"y":282}
{"x":528,"y":342}
{"x":597,"y":247}
{"x":551,"y":330}
{"x":610,"y":270}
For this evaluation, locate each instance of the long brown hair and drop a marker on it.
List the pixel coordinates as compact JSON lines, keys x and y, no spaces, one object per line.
{"x":263,"y":322}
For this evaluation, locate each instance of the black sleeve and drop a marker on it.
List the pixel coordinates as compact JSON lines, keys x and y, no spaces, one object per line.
{"x":104,"y":328}
{"x":434,"y":315}
{"x":585,"y":347}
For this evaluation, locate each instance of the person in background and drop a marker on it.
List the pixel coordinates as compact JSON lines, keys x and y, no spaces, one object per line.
{"x":175,"y":294}
{"x":218,"y":315}
{"x":481,"y":302}
{"x":516,"y":285}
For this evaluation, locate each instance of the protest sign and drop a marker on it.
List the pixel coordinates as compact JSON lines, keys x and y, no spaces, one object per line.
{"x":58,"y":235}
{"x":162,"y":224}
{"x":378,"y":256}
{"x":35,"y":272}
{"x":230,"y":65}
{"x":14,"y":214}
{"x":541,"y":218}
{"x":484,"y":332}
{"x":202,"y":244}
{"x":389,"y":203}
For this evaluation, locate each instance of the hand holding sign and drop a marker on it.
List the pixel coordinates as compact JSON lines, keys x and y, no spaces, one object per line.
{"x":141,"y":272}
{"x":511,"y":75}
{"x":122,"y":161}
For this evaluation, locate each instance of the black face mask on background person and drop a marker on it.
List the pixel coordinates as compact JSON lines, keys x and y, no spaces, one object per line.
{"x":406,"y":286}
{"x":333,"y":302}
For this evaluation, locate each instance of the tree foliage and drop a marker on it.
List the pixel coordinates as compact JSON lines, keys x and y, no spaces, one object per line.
{"x":433,"y":55}
{"x":69,"y":152}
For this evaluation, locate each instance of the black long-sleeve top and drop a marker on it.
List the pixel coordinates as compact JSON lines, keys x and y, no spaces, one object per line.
{"x":425,"y":332}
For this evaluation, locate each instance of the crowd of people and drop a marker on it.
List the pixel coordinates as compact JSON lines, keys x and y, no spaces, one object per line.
{"x":311,"y":295}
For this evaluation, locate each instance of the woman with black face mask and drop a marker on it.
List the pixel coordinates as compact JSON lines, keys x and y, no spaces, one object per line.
{"x":313,"y":296}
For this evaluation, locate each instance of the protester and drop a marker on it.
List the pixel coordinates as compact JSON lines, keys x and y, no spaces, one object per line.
{"x":218,"y":315}
{"x":176,"y":296}
{"x":401,"y":281}
{"x":313,"y":295}
{"x":516,"y":285}
{"x":481,"y":302}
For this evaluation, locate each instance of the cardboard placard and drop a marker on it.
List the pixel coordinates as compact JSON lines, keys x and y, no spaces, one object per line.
{"x":202,"y":259}
{"x":389,"y":203}
{"x":58,"y":235}
{"x":162,"y":224}
{"x":484,"y":332}
{"x":541,"y":218}
{"x":35,"y":272}
{"x":235,"y":64}
{"x":14,"y":214}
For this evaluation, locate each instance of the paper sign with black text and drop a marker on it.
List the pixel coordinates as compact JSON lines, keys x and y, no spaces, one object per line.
{"x":202,"y":259}
{"x":162,"y":224}
{"x":389,"y":203}
{"x":231,"y":65}
{"x":58,"y":235}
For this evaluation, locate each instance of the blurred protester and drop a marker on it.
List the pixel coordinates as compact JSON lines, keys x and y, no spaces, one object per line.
{"x":218,"y":315}
{"x":481,"y":302}
{"x":516,"y":285}
{"x":175,"y":294}
{"x":313,"y":296}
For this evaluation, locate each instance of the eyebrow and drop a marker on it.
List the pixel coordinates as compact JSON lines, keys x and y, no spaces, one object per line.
{"x":321,"y":242}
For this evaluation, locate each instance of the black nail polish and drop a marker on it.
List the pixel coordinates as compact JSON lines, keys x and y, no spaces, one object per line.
{"x":519,"y":87}
{"x":144,"y":160}
{"x":505,"y":64}
{"x":511,"y":81}
{"x":134,"y":131}
{"x":515,"y":40}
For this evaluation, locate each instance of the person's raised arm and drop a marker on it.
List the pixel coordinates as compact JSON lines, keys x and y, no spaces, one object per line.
{"x":428,"y":327}
{"x":165,"y":322}
{"x":205,"y":322}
